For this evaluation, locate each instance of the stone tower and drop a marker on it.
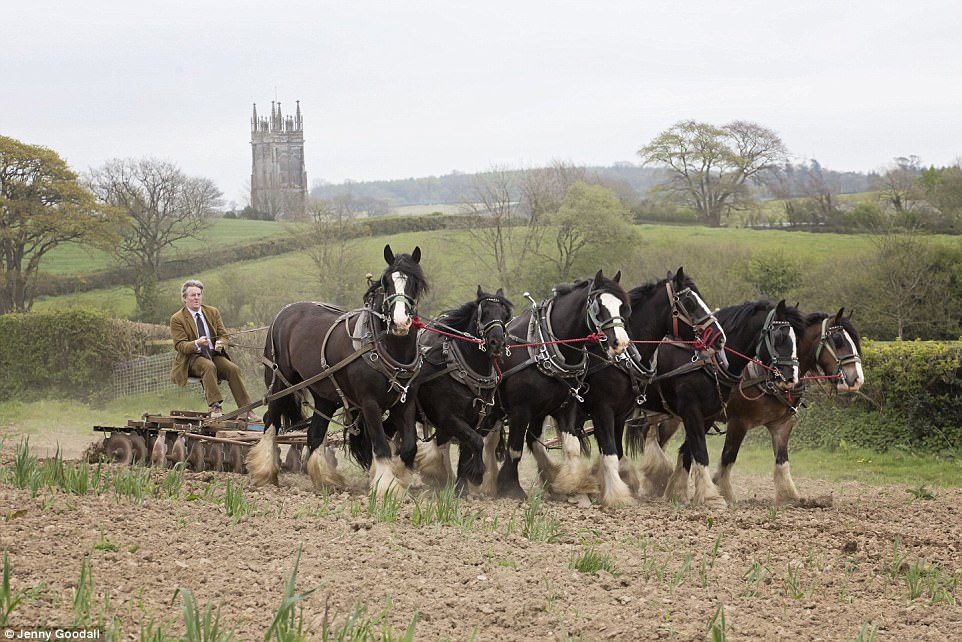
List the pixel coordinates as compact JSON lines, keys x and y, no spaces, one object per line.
{"x":278,"y":176}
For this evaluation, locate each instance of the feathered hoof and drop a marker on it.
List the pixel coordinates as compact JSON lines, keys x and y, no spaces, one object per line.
{"x":322,"y":469}
{"x":261,"y":460}
{"x":430,"y":465}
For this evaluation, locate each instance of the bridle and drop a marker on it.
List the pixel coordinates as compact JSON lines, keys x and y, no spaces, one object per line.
{"x":482,"y":328}
{"x":766,"y":340}
{"x":688,"y":307}
{"x":825,"y":342}
{"x":593,"y":318}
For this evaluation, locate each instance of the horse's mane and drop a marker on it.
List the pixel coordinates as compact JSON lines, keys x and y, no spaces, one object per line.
{"x":405,"y":264}
{"x":734,"y":316}
{"x":460,"y":317}
{"x":644,"y":291}
{"x":608,"y":285}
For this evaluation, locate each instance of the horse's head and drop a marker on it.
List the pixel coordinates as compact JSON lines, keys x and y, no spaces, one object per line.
{"x":687,"y":305}
{"x":838,"y":352}
{"x":402,"y":284}
{"x":493,"y":311}
{"x":608,"y":307}
{"x":777,"y":346}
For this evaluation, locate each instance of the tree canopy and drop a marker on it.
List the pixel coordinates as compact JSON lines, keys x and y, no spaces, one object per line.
{"x":42,"y":205}
{"x":163,"y":206}
{"x":709,"y":168}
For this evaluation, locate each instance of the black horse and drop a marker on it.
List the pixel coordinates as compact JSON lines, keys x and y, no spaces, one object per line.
{"x":761,"y":350}
{"x":457,"y":383}
{"x":547,"y":378}
{"x":828,"y":349}
{"x":668,"y":309}
{"x":362,"y":360}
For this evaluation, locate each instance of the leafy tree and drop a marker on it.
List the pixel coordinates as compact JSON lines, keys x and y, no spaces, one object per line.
{"x":163,"y":205}
{"x":709,"y":168}
{"x":331,"y":242}
{"x":42,"y":205}
{"x":773,"y":275}
{"x":591,"y":216}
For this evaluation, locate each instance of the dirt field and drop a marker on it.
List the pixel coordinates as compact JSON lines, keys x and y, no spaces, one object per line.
{"x":843,"y":569}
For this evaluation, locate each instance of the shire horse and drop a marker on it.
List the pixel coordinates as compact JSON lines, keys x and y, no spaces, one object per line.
{"x":829,"y":348}
{"x":363,"y":360}
{"x":545,"y":376}
{"x":671,"y":307}
{"x":457,"y":384}
{"x":760,"y":352}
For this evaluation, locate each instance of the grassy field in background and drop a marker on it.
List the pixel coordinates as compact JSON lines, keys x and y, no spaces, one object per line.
{"x":72,"y":259}
{"x":455,"y":270}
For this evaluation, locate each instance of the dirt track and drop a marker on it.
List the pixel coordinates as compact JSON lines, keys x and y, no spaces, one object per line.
{"x":795,"y":573}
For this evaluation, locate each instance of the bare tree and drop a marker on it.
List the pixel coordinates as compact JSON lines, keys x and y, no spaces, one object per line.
{"x":331,"y":243}
{"x":896,"y":186}
{"x":163,"y":206}
{"x":492,"y":202}
{"x":710,"y":168}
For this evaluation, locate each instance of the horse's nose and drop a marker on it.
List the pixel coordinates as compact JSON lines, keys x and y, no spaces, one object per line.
{"x":401,"y":328}
{"x":621,"y":342}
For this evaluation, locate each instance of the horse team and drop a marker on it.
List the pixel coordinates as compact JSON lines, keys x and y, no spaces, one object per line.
{"x":636,"y":364}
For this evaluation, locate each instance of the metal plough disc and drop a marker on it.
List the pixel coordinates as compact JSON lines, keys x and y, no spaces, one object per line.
{"x":118,"y":449}
{"x":195,"y":456}
{"x":235,"y":459}
{"x":139,"y":447}
{"x":214,"y":456}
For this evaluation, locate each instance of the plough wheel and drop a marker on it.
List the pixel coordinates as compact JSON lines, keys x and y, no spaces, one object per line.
{"x":139,"y":448}
{"x":118,"y":449}
{"x":195,"y":456}
{"x":234,"y":461}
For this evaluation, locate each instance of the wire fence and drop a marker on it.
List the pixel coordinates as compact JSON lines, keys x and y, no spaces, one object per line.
{"x":151,"y":374}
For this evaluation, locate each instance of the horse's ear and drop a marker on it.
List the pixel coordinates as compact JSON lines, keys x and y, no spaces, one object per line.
{"x":599,"y":279}
{"x":480,"y":292}
{"x":617,"y":277}
{"x":500,"y":292}
{"x":780,"y":308}
{"x":388,"y":254}
{"x":416,"y":254}
{"x":679,"y":276}
{"x":840,"y":314}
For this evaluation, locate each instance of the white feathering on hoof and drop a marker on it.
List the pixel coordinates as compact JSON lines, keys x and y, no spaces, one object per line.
{"x":785,"y":491}
{"x":706,"y":493}
{"x":430,"y":464}
{"x":262,"y":461}
{"x":322,"y":469}
{"x":723,"y":481}
{"x":489,"y":483}
{"x":629,"y":475}
{"x":384,"y":479}
{"x":677,"y":488}
{"x":573,"y":477}
{"x":655,"y":466}
{"x":547,"y":469}
{"x":614,"y":491}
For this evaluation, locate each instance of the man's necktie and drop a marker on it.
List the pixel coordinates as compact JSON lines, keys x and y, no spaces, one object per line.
{"x":202,"y":332}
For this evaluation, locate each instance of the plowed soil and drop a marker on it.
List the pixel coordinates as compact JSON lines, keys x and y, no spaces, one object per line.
{"x":851,"y":560}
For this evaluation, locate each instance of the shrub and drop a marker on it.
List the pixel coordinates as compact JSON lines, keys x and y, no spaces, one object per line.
{"x":69,"y":353}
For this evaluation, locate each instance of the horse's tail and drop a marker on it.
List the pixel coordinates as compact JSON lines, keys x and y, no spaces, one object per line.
{"x":359,"y":442}
{"x":636,"y":431}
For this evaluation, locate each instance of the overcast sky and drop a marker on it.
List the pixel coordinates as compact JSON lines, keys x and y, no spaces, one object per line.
{"x":412,"y":88}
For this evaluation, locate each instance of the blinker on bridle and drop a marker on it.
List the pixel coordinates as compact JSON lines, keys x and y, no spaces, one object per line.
{"x":594,"y":310}
{"x":825,"y":342}
{"x":483,"y":328}
{"x":765,"y":339}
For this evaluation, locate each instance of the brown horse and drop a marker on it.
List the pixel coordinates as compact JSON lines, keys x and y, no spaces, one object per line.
{"x":828,"y":348}
{"x":364,"y":360}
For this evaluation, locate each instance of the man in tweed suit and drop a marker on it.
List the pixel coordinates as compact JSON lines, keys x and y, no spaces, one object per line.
{"x":201,"y":340}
